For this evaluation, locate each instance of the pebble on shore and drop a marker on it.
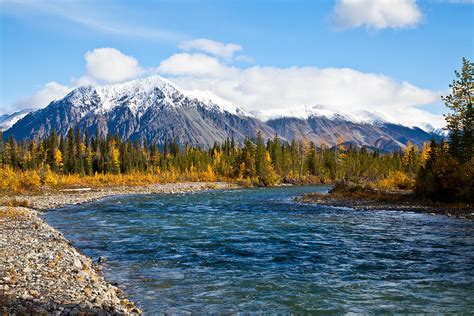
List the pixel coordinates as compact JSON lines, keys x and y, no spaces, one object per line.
{"x":40,"y":273}
{"x":55,"y":199}
{"x":408,"y":205}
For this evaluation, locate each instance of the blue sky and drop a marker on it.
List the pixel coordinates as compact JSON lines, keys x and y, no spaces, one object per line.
{"x":46,"y":41}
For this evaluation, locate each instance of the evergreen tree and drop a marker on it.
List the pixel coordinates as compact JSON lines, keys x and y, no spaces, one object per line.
{"x":460,"y":119}
{"x":79,"y":152}
{"x":247,"y":160}
{"x":2,"y":150}
{"x":259,"y":155}
{"x":13,"y":153}
{"x":52,"y":151}
{"x":70,"y":152}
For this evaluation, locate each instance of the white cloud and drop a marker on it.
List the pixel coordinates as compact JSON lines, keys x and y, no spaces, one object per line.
{"x":223,"y":50}
{"x":111,"y":65}
{"x":341,"y":89}
{"x":245,"y":59}
{"x":51,"y":91}
{"x":199,"y":65}
{"x":376,"y":14}
{"x":107,"y":65}
{"x":83,"y":81}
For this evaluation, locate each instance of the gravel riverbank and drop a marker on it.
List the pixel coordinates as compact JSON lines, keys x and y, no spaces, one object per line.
{"x":400,"y":204}
{"x":55,"y":199}
{"x":41,"y":273}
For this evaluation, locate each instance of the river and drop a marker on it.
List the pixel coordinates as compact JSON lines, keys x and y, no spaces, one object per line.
{"x":255,"y":250}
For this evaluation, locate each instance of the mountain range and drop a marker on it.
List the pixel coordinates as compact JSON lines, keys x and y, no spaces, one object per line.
{"x":155,"y":109}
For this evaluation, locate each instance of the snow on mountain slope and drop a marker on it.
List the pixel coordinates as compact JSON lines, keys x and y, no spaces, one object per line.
{"x":357,"y":116}
{"x":306,"y":111}
{"x":8,"y":120}
{"x":214,"y":100}
{"x":140,"y":94}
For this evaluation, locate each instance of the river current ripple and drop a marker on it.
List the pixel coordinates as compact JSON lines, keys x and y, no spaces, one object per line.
{"x":255,"y":250}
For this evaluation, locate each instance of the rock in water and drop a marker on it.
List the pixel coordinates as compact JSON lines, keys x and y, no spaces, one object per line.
{"x":101,"y":260}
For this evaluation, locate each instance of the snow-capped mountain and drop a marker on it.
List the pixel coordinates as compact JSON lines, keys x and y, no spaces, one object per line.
{"x":155,"y":109}
{"x":141,"y":94}
{"x":361,"y":128}
{"x":8,"y":120}
{"x":152,"y":108}
{"x":355,"y":116}
{"x":439,"y":131}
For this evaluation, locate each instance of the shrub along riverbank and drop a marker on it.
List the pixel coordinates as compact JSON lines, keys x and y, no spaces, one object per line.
{"x":368,"y":197}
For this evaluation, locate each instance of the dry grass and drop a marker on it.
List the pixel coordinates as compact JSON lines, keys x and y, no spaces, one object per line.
{"x":12,"y":213}
{"x":14,"y":202}
{"x":33,"y":182}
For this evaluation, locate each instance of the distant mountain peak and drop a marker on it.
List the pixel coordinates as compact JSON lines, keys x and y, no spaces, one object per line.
{"x":152,"y":109}
{"x":305,"y":112}
{"x":139,"y":94}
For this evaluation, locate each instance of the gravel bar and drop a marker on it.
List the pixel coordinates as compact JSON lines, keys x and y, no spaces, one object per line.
{"x":40,"y":271}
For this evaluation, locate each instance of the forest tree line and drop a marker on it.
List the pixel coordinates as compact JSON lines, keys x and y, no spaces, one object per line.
{"x":257,"y":162}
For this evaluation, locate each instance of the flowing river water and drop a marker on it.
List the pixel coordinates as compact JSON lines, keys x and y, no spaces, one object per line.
{"x":255,"y":250}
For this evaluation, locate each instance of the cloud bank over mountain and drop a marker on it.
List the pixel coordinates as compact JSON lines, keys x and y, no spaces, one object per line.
{"x":41,"y":98}
{"x":258,"y":88}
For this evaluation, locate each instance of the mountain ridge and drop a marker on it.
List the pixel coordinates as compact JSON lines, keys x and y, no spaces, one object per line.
{"x":155,"y":109}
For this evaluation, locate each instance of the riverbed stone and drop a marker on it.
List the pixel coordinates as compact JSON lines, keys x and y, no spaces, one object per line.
{"x":39,"y":270}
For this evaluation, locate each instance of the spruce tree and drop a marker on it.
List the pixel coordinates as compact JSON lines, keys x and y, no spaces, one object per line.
{"x":2,"y":150}
{"x":71,"y":152}
{"x":79,"y":152}
{"x":460,"y":119}
{"x":53,"y":147}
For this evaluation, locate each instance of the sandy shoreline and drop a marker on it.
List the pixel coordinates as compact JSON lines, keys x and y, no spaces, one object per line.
{"x":41,"y":273}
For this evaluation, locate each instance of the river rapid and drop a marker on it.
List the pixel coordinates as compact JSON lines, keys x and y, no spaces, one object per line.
{"x":256,"y":250}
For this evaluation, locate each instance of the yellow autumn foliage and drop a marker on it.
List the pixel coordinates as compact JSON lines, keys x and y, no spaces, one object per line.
{"x":49,"y":178}
{"x":9,"y":180}
{"x":425,"y":153}
{"x":396,"y":180}
{"x":208,"y":175}
{"x":12,"y":213}
{"x":30,"y":180}
{"x":45,"y":179}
